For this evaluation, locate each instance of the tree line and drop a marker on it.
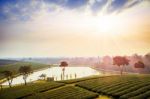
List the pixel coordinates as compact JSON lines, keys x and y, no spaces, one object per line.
{"x":23,"y":70}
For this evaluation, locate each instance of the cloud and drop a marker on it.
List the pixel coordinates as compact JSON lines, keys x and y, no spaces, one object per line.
{"x":57,"y":27}
{"x":71,"y":4}
{"x":121,"y":5}
{"x":24,"y":9}
{"x":116,"y":5}
{"x":98,"y":5}
{"x":75,"y":3}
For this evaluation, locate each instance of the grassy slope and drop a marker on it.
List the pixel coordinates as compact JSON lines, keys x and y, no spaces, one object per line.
{"x":15,"y":66}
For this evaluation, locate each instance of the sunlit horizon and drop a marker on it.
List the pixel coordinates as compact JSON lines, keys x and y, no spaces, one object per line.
{"x":72,"y":29}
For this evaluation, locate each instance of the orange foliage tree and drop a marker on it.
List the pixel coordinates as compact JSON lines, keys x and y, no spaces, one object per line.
{"x":63,"y":64}
{"x":121,"y":62}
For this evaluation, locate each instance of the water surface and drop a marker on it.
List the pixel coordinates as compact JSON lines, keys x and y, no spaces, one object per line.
{"x":70,"y":73}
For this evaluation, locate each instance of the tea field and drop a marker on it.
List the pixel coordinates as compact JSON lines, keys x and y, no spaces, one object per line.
{"x":115,"y":87}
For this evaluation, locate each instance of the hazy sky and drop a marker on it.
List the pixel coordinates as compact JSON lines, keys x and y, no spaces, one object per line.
{"x":37,"y":28}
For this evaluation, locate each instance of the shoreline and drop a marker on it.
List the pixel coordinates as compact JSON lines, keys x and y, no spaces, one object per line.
{"x":36,"y":70}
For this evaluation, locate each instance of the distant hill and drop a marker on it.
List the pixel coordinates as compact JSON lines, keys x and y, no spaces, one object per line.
{"x":15,"y":65}
{"x":6,"y":62}
{"x":75,"y":61}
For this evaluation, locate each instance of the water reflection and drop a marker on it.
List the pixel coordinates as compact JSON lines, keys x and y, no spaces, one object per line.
{"x":56,"y":72}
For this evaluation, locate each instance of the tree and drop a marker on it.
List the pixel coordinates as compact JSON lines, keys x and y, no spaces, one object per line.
{"x":139,"y":65}
{"x":9,"y":77}
{"x":63,"y":64}
{"x":121,"y":62}
{"x":25,"y":71}
{"x":43,"y":76}
{"x":147,"y":60}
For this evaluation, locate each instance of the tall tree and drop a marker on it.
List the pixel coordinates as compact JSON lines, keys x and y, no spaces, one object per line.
{"x":121,"y":62}
{"x":63,"y":64}
{"x":25,"y":71}
{"x":9,"y":77}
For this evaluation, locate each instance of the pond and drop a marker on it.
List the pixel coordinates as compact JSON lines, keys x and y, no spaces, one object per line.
{"x":56,"y":72}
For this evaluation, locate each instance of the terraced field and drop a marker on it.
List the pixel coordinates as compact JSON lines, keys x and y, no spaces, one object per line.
{"x":25,"y":91}
{"x":117,"y":87}
{"x":123,"y":87}
{"x":67,"y":92}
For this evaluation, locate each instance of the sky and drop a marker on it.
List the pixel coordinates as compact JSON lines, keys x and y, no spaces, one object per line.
{"x":71,"y":28}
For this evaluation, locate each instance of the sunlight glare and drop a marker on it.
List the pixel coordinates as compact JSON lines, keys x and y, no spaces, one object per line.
{"x":109,"y":24}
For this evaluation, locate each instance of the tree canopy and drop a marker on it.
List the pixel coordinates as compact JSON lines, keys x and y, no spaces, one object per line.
{"x":63,"y":64}
{"x":139,"y":64}
{"x":120,"y":60}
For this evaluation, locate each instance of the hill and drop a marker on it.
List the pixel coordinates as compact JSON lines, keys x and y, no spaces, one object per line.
{"x":15,"y":65}
{"x":6,"y":62}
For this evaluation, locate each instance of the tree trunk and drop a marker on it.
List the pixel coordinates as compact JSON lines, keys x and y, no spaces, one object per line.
{"x":61,"y":76}
{"x":9,"y":82}
{"x":63,"y":73}
{"x":1,"y":87}
{"x":121,"y":70}
{"x":25,"y":78}
{"x":25,"y":82}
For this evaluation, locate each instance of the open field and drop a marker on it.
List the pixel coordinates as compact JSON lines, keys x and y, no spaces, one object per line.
{"x":122,"y":87}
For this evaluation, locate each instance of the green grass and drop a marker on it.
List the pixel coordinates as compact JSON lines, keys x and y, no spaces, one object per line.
{"x":124,"y":87}
{"x":15,"y":66}
{"x":30,"y":89}
{"x":67,"y":92}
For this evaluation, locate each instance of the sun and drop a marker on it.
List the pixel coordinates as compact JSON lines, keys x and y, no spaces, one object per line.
{"x":109,"y":24}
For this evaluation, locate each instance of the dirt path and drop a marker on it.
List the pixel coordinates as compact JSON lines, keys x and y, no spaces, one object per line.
{"x":62,"y":86}
{"x":103,"y":97}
